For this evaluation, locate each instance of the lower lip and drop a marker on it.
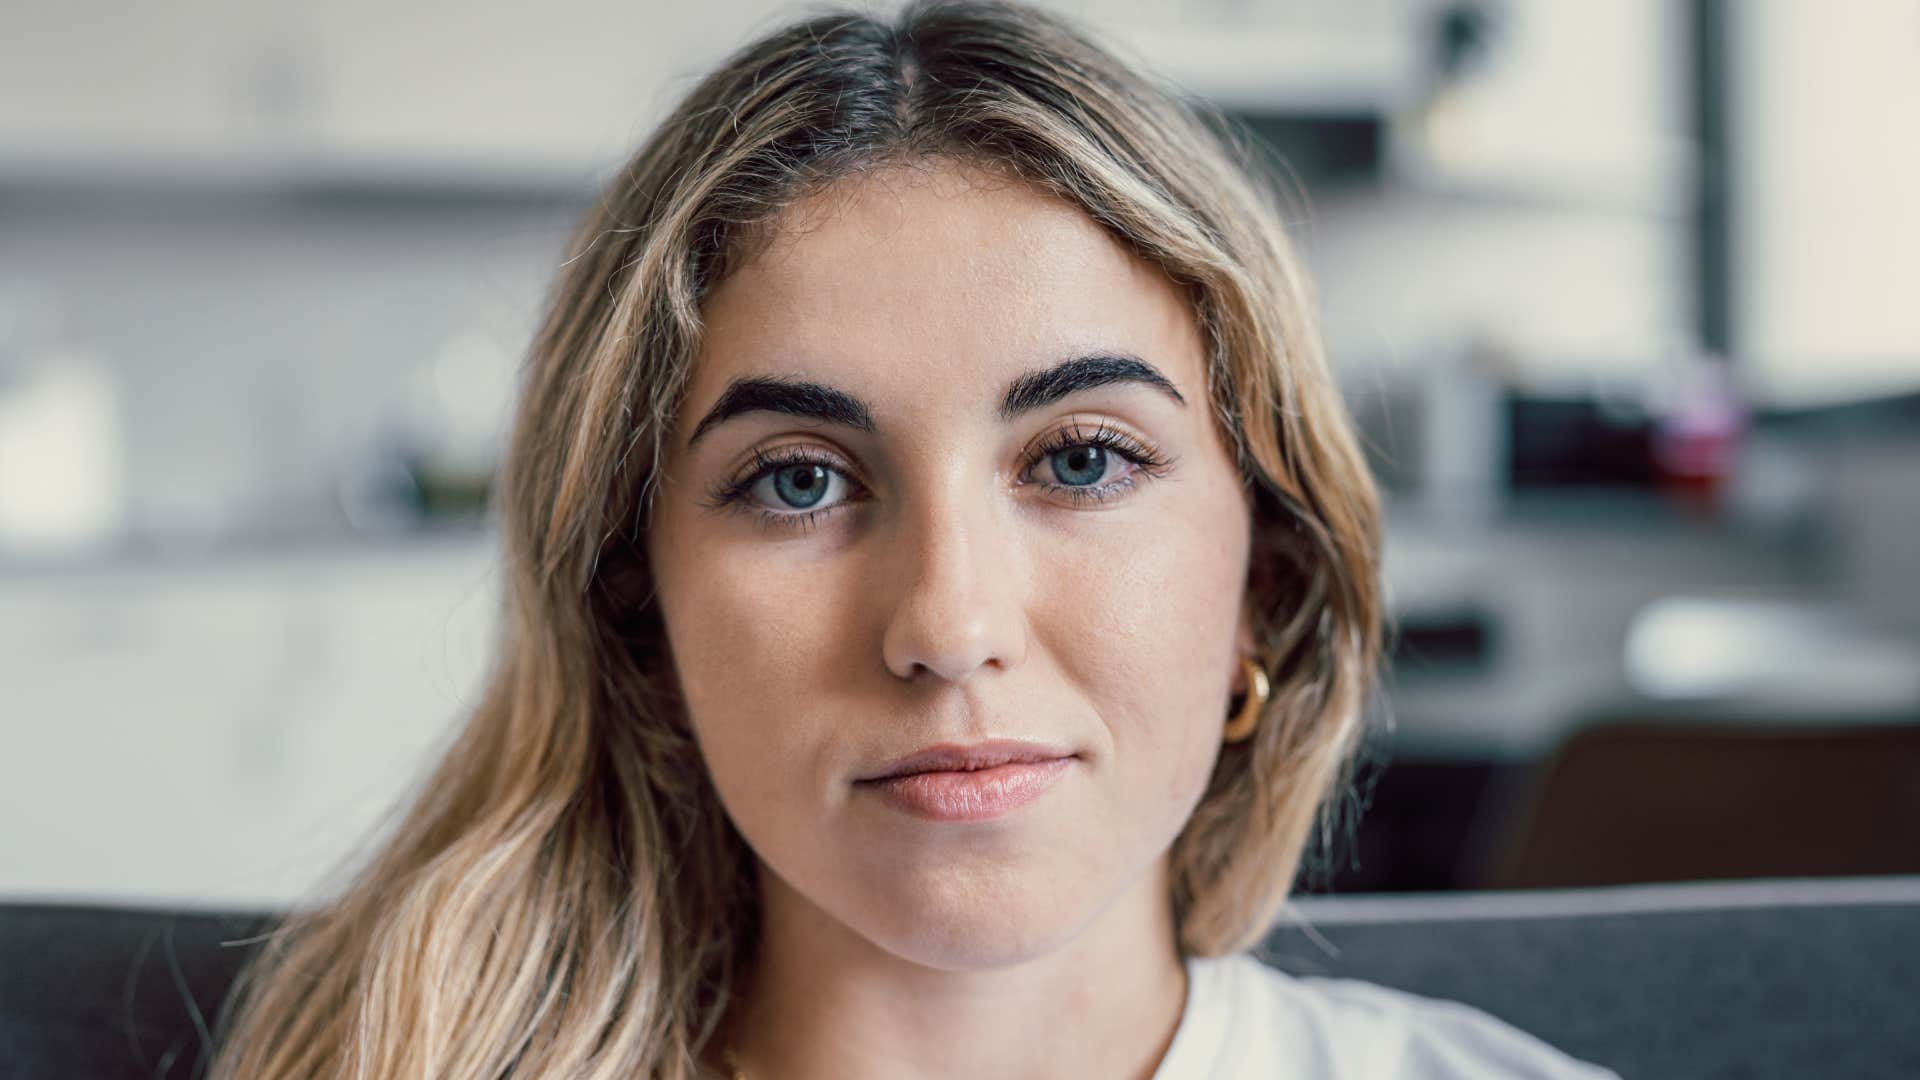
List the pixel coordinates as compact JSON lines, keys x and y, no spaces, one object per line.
{"x":975,"y":795}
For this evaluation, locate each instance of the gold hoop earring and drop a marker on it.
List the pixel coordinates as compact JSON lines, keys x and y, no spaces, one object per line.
{"x":1248,"y":718}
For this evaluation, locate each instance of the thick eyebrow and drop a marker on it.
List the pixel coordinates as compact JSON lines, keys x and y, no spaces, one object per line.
{"x":1029,"y":391}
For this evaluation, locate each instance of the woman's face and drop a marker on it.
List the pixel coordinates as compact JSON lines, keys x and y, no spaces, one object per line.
{"x":917,"y":530}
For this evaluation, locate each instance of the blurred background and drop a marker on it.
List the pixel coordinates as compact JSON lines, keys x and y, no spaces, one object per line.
{"x":1625,"y":295}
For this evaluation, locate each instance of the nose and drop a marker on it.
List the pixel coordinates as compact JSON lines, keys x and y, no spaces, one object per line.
{"x":959,"y":606}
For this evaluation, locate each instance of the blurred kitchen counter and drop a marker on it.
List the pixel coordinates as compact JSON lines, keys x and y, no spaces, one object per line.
{"x":1533,"y":601}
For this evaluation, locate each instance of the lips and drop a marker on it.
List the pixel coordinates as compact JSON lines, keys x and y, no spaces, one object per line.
{"x":952,"y":757}
{"x":975,"y":796}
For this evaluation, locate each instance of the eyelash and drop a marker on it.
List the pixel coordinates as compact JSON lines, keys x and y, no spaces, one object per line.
{"x":1147,"y":463}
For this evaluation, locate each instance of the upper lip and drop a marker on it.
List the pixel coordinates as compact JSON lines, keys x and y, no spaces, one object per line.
{"x":954,"y":757}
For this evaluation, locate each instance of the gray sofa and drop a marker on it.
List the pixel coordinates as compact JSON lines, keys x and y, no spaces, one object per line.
{"x":1789,"y":978}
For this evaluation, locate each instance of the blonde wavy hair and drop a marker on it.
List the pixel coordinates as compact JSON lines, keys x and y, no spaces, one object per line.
{"x":565,"y":897}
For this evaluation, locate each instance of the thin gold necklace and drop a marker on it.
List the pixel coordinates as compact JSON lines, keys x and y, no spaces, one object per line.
{"x":733,"y":1062}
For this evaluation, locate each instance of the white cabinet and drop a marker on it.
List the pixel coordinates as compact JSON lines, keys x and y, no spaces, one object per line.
{"x":491,"y":91}
{"x":428,"y":91}
{"x":1826,"y":228}
{"x":1295,"y":56}
{"x":510,"y":89}
{"x":1583,"y":107}
{"x":225,"y":733}
{"x":116,"y":84}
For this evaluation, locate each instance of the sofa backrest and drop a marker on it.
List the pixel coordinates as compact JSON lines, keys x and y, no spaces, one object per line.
{"x":1755,"y":979}
{"x":1774,"y":978}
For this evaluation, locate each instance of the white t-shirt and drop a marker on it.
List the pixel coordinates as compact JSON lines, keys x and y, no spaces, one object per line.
{"x":1244,"y":1019}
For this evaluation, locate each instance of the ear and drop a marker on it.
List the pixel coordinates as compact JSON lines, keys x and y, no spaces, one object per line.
{"x":1244,"y":639}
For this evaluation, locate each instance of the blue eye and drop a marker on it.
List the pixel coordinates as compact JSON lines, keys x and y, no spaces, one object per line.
{"x":793,"y":484}
{"x":803,"y":480}
{"x":1079,"y":465}
{"x":1079,"y":458}
{"x":801,"y":486}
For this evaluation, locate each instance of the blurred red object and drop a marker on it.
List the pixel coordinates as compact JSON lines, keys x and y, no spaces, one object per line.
{"x":1696,"y":440}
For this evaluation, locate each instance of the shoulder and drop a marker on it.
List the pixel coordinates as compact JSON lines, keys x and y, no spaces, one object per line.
{"x":1346,"y":1027}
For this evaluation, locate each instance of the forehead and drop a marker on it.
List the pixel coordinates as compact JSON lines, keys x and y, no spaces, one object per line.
{"x":931,"y":287}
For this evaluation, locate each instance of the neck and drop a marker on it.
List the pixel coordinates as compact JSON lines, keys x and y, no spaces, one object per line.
{"x":822,"y":1001}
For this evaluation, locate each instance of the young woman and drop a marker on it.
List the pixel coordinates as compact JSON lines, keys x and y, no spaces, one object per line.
{"x":942,"y":593}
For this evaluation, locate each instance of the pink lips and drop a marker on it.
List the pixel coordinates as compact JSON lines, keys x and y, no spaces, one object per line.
{"x":969,"y":783}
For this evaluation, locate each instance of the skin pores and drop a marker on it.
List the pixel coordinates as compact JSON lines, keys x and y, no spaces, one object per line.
{"x":942,"y":592}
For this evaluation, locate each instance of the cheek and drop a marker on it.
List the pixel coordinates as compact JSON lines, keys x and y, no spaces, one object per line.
{"x":751,"y":640}
{"x":1147,"y":629}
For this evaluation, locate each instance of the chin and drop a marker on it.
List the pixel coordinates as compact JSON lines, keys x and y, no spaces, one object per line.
{"x":972,"y":923}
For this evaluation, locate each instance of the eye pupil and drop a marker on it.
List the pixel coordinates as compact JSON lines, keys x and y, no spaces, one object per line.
{"x":802,"y":485}
{"x":1083,"y":464}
